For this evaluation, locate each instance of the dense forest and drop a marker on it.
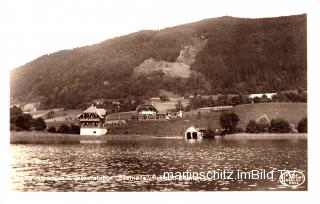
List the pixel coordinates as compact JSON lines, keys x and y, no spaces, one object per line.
{"x":241,"y":56}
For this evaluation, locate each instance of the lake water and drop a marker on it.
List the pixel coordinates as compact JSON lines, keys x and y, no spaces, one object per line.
{"x":112,"y":166}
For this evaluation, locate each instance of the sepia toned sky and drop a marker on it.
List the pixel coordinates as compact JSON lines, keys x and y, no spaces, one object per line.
{"x":32,"y":28}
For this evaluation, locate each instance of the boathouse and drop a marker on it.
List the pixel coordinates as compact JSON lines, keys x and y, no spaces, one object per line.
{"x":93,"y":121}
{"x":193,"y":133}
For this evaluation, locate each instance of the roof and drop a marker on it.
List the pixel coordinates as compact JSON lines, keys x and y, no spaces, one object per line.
{"x":216,"y":108}
{"x":148,"y":103}
{"x":192,"y":129}
{"x":92,"y":109}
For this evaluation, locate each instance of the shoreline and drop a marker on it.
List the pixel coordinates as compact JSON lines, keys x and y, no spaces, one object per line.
{"x":260,"y":136}
{"x":57,"y":138}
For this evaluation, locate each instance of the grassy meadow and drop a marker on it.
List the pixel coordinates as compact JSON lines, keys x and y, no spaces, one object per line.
{"x":293,"y":112}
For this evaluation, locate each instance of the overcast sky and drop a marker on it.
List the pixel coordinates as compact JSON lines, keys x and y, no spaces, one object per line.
{"x":32,"y":28}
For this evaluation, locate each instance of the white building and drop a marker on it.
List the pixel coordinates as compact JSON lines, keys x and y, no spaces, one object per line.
{"x":269,"y":95}
{"x":149,"y":112}
{"x":193,"y":133}
{"x":93,"y":121}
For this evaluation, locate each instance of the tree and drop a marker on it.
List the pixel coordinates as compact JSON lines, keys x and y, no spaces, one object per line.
{"x":52,"y":129}
{"x":179,"y":106}
{"x":303,"y":125}
{"x":74,"y":129}
{"x":164,"y":98}
{"x":263,"y":123}
{"x":256,"y":99}
{"x":264,"y":99}
{"x":222,"y":100}
{"x":24,"y":121}
{"x":64,"y":129}
{"x":39,"y":124}
{"x":229,"y":122}
{"x":15,"y":111}
{"x":50,"y":114}
{"x":198,"y":82}
{"x":280,"y":125}
{"x":236,"y":100}
{"x":252,"y":127}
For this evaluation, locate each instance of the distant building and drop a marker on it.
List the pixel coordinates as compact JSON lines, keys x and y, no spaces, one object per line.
{"x":31,"y":107}
{"x":215,"y":109}
{"x":179,"y":114}
{"x":269,"y":95}
{"x":115,"y":103}
{"x":149,"y":111}
{"x":93,"y":121}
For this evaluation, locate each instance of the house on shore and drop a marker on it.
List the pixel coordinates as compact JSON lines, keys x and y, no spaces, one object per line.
{"x":193,"y":133}
{"x":93,"y":121}
{"x":215,"y":109}
{"x":150,"y":112}
{"x":269,"y":95}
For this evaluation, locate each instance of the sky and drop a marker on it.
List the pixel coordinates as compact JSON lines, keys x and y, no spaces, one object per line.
{"x":32,"y":28}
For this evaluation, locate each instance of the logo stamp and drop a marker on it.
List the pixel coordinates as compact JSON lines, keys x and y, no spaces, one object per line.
{"x":292,"y":178}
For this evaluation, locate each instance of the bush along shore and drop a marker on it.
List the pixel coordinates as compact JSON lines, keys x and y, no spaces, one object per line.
{"x":25,"y":129}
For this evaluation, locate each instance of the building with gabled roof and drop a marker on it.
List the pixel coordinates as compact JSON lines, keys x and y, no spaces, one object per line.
{"x":93,"y":121}
{"x":149,"y":111}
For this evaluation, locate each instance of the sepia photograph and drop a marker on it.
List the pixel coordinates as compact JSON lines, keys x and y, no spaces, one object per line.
{"x":157,"y":96}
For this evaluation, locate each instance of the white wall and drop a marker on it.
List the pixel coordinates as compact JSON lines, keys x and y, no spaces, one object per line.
{"x":93,"y":131}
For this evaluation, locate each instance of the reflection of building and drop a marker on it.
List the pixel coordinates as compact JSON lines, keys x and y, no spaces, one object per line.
{"x":93,"y":121}
{"x":149,"y":111}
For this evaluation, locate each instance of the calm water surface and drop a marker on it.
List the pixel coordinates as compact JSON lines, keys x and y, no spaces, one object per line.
{"x":125,"y":156}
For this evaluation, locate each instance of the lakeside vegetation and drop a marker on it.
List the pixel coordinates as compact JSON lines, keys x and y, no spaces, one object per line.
{"x":249,"y":118}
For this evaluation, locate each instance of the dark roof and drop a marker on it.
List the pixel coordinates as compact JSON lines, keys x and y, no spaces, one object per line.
{"x":148,"y":103}
{"x":92,"y":109}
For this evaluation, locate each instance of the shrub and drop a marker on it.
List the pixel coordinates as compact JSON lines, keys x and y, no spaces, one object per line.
{"x":256,"y":99}
{"x":50,"y":115}
{"x":52,"y":129}
{"x":293,"y":129}
{"x":239,"y":130}
{"x":236,"y":100}
{"x":15,"y":111}
{"x":24,"y":121}
{"x":39,"y":124}
{"x":263,"y":123}
{"x":164,"y":98}
{"x":134,"y":117}
{"x":303,"y":125}
{"x":64,"y":129}
{"x":179,"y":106}
{"x":74,"y":129}
{"x":280,"y":125}
{"x":229,"y":122}
{"x":252,"y":127}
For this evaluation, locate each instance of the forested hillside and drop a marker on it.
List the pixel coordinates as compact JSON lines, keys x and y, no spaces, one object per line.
{"x":240,"y":55}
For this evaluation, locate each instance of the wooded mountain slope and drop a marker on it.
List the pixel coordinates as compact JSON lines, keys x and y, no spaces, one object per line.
{"x":241,"y":55}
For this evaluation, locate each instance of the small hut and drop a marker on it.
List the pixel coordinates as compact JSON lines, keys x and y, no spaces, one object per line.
{"x":193,"y":133}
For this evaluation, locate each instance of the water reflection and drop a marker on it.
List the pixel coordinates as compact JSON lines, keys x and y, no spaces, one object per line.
{"x":153,"y":156}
